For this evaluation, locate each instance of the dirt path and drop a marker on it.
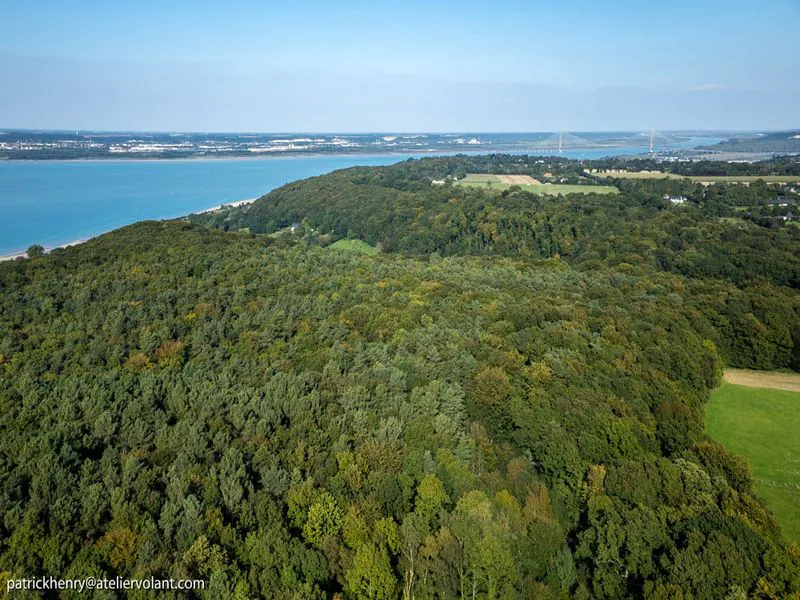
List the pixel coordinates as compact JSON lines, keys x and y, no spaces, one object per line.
{"x":764,"y":379}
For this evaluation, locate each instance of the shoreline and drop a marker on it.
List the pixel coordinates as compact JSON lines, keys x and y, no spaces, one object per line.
{"x":49,"y":249}
{"x":419,"y":153}
{"x":394,"y":154}
{"x":233,"y":204}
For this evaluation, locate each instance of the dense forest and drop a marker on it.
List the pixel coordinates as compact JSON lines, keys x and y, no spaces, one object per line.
{"x":507,"y":401}
{"x":781,"y":165}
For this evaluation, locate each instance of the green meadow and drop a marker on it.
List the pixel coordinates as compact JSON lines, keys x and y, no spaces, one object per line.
{"x":554,"y":189}
{"x":709,"y":178}
{"x":763,"y":425}
{"x":354,"y":246}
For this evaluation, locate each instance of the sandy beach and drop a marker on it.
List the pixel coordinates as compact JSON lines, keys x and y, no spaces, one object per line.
{"x":46,"y":250}
{"x":227,"y":204}
{"x":76,"y":242}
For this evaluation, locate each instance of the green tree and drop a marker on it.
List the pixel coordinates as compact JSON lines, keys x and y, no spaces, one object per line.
{"x":35,"y":251}
{"x":371,"y":576}
{"x":324,"y":519}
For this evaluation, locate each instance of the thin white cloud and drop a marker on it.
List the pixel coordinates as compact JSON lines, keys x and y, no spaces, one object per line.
{"x":708,"y":87}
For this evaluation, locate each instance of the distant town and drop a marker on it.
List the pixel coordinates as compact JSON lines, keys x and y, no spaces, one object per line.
{"x":44,"y":145}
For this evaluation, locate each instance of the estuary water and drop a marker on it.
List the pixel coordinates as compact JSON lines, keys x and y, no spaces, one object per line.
{"x":58,"y":202}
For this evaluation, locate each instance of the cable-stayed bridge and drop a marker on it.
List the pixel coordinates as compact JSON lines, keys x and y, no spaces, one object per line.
{"x":653,"y":139}
{"x":563,"y":141}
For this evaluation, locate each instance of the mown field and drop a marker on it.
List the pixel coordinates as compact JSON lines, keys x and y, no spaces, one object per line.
{"x":764,"y":379}
{"x":641,"y":175}
{"x":493,"y":178}
{"x":746,"y":178}
{"x":762,"y":425}
{"x":529,"y":184}
{"x":555,"y":188}
{"x":711,"y":178}
{"x":354,"y":246}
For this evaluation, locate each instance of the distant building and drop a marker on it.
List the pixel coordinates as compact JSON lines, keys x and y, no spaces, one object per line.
{"x":675,"y":199}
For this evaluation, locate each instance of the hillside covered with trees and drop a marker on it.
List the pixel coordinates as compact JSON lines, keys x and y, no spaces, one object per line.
{"x":507,"y":401}
{"x":779,"y":141}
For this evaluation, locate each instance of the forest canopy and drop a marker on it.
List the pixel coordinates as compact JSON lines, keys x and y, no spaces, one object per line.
{"x":507,"y":401}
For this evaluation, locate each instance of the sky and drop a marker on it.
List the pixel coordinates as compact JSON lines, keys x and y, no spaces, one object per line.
{"x":411,"y":66}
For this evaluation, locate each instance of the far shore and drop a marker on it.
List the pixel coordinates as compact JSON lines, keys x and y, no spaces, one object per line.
{"x":256,"y":156}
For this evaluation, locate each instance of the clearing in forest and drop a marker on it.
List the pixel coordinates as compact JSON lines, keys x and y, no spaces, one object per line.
{"x":761,"y":424}
{"x":354,"y":246}
{"x":507,"y":179}
{"x":702,"y":178}
{"x":529,"y":184}
{"x":764,"y":379}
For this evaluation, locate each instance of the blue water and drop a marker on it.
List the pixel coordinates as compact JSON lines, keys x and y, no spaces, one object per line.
{"x":53,"y":202}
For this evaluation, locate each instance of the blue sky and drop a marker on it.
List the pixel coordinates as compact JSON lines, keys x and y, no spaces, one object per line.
{"x":176,"y":65}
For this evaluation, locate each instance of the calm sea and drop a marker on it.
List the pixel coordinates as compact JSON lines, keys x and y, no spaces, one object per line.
{"x":53,"y":202}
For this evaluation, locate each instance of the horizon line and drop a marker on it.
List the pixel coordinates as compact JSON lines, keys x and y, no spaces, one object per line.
{"x":4,"y":130}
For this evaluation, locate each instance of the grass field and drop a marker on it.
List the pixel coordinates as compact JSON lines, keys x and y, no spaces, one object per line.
{"x":509,"y":179}
{"x":732,"y":220}
{"x":539,"y":188}
{"x":747,"y":178}
{"x":762,"y":425}
{"x":710,"y":178}
{"x":638,"y":175}
{"x":354,"y":246}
